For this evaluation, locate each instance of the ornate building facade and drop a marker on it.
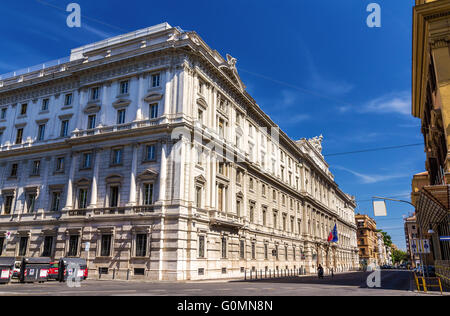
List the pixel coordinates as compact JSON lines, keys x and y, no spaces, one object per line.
{"x":431,"y":104}
{"x":145,"y":155}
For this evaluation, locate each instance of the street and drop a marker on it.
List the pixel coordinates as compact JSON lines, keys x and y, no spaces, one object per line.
{"x":393,"y":282}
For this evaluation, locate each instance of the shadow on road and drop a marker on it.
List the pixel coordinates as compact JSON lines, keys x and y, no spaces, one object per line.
{"x":390,"y":280}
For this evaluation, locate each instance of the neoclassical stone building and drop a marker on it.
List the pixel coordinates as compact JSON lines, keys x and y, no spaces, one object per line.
{"x":145,"y":155}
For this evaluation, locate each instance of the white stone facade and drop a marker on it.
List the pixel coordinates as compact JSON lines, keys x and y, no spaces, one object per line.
{"x":145,"y":155}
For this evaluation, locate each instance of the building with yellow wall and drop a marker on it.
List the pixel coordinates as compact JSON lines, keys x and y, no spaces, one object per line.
{"x":431,"y":103}
{"x":367,"y":240}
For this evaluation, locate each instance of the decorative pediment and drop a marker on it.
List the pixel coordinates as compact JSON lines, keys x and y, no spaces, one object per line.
{"x":202,"y":102}
{"x":121,"y":103}
{"x":200,"y":179}
{"x":92,"y":108}
{"x":83,"y":182}
{"x":148,"y":174}
{"x":153,"y":97}
{"x":229,"y":68}
{"x":114,"y":179}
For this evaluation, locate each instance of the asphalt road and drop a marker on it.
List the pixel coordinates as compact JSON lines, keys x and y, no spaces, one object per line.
{"x":397,"y":283}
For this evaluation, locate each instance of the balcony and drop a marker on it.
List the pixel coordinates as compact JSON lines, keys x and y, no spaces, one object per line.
{"x":225,"y":219}
{"x":108,"y":211}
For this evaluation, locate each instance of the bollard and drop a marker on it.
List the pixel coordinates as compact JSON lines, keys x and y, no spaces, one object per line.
{"x":260,"y":274}
{"x":128,"y":274}
{"x":251,"y":274}
{"x":245,"y":275}
{"x":114,"y":273}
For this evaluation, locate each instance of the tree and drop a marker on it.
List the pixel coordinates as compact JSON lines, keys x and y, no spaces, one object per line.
{"x":399,"y":256}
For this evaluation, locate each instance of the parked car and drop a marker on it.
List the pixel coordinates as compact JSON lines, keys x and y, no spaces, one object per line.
{"x":16,"y":271}
{"x":53,"y":272}
{"x":430,"y":271}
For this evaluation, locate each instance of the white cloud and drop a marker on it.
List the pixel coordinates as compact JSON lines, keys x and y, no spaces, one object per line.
{"x":398,"y":102}
{"x":373,"y":178}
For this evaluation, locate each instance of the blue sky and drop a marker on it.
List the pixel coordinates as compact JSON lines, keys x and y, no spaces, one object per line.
{"x":313,"y":66}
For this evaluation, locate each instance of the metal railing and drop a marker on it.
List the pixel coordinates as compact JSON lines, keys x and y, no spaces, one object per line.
{"x":127,"y":210}
{"x":35,"y":68}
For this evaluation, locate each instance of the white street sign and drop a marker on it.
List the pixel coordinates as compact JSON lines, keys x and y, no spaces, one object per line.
{"x":426,"y":247}
{"x":379,"y":208}
{"x":87,"y":246}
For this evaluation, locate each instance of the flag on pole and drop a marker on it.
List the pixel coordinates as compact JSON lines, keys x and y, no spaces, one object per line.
{"x":335,"y":234}
{"x":330,"y":237}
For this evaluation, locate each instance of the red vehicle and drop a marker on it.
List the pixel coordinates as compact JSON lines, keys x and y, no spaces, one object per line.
{"x":53,"y":272}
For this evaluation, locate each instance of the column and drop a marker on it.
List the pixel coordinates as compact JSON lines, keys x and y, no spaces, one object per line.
{"x":163,"y":173}
{"x":140,"y":100}
{"x":93,"y":203}
{"x":69,"y":192}
{"x":43,"y":189}
{"x":132,"y":197}
{"x":167,"y":93}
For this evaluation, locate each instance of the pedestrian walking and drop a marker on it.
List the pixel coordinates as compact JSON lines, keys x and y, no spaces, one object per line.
{"x":320,"y":271}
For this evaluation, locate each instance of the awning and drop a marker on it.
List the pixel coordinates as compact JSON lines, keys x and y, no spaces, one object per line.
{"x":433,"y":205}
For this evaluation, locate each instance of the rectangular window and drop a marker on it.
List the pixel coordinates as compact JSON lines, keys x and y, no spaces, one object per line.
{"x":73,"y":246}
{"x":253,"y":251}
{"x":200,"y":116}
{"x":95,"y":93}
{"x":8,"y":204}
{"x":117,"y":156}
{"x":23,"y":109}
{"x":121,"y":116}
{"x":23,"y":245}
{"x":201,"y":246}
{"x":68,"y":99}
{"x":242,"y":249}
{"x":220,"y":198}
{"x":156,"y":80}
{"x":105,"y":246}
{"x":64,"y":128}
{"x":3,"y":113}
{"x":153,"y":111}
{"x":82,"y":199}
{"x":124,"y":87}
{"x":198,"y":197}
{"x":45,"y":104}
{"x":87,"y":157}
{"x":56,"y":200}
{"x":31,"y":201}
{"x":114,"y":197}
{"x":48,"y":245}
{"x":2,"y":243}
{"x":41,"y":132}
{"x":14,"y":168}
{"x":266,"y":252}
{"x":221,"y":128}
{"x":19,"y":136}
{"x":224,"y":248}
{"x":60,"y":164}
{"x":36,"y":168}
{"x":91,"y":121}
{"x":148,"y":194}
{"x":141,"y":245}
{"x":150,"y":153}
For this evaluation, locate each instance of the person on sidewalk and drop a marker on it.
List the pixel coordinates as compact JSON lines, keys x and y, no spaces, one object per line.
{"x":320,"y":271}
